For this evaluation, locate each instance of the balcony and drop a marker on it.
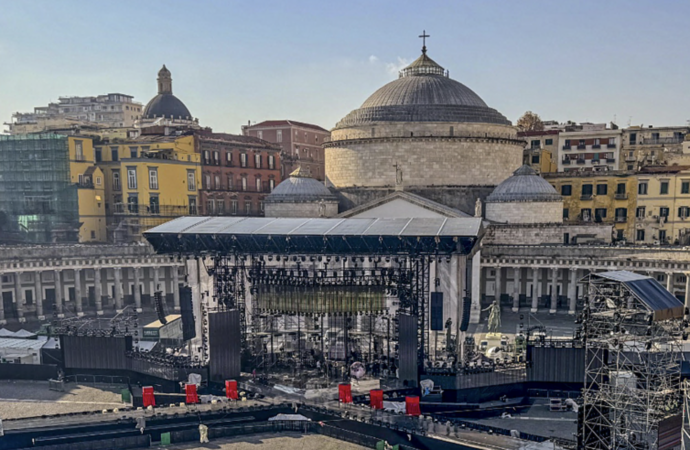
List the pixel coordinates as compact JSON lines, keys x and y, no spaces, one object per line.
{"x":610,"y":160}
{"x":566,"y":162}
{"x":596,"y":146}
{"x":586,"y":197}
{"x":630,"y":158}
{"x":666,"y":140}
{"x":581,"y":147}
{"x":581,"y":161}
{"x":567,"y":147}
{"x":621,"y":219}
{"x":621,"y":196}
{"x":610,"y":145}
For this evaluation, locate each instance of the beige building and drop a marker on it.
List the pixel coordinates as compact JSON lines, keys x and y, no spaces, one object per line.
{"x":663,"y":206}
{"x":594,"y":148}
{"x":654,"y":146}
{"x":541,"y":150}
{"x":109,"y":110}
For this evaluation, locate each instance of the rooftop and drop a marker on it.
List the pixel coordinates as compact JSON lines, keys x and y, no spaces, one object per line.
{"x":286,"y":123}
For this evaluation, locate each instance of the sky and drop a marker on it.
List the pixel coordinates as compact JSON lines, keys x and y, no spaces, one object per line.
{"x":315,"y":61}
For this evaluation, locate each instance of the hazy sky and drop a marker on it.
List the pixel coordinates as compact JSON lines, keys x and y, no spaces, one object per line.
{"x":316,"y":61}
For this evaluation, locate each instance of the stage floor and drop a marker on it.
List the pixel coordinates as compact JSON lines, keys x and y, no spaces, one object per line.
{"x":557,"y":325}
{"x":271,"y":441}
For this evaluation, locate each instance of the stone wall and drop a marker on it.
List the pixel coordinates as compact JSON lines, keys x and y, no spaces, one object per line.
{"x":306,"y":209}
{"x":525,"y":212}
{"x":540,"y":234}
{"x":476,"y":154}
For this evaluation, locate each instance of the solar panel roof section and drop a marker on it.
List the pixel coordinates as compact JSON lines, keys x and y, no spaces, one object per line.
{"x":180,"y":224}
{"x":622,"y":276}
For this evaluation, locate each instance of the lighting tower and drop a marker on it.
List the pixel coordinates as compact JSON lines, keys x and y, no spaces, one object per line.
{"x":632,"y":329}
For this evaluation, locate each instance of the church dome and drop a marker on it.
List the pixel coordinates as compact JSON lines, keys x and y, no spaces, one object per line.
{"x":423,"y":93}
{"x":524,"y":186}
{"x":300,"y":187}
{"x":165,"y":104}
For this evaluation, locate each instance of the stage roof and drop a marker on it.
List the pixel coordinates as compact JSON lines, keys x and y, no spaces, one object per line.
{"x":646,"y":289}
{"x":258,"y":235}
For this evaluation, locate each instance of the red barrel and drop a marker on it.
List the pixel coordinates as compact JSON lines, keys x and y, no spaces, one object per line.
{"x":345,"y":393}
{"x":149,"y":399}
{"x":412,"y":405}
{"x":192,"y":396}
{"x":231,"y":389}
{"x":376,"y":398}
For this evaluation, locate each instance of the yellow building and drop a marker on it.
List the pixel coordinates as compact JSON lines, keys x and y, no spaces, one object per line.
{"x":541,"y":150}
{"x":90,"y":189}
{"x":663,"y":205}
{"x":606,"y":197}
{"x":149,"y":180}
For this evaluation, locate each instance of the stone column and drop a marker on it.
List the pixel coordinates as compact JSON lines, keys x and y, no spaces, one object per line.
{"x":476,"y":307}
{"x":157,"y":281}
{"x":554,"y":290}
{"x":98,"y":290}
{"x":2,"y":305}
{"x":58,"y":293}
{"x":176,"y":287}
{"x":572,"y":291}
{"x":18,"y":297}
{"x":118,"y":288}
{"x":669,"y":282}
{"x":498,"y":285}
{"x":687,"y":290}
{"x":535,"y":289}
{"x":38,"y":287}
{"x":516,"y":289}
{"x":137,"y":288}
{"x":77,"y":292}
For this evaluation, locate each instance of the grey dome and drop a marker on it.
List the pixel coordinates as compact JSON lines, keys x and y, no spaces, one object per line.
{"x":423,"y":93}
{"x":168,"y":106}
{"x":299,"y":187}
{"x":524,"y":186}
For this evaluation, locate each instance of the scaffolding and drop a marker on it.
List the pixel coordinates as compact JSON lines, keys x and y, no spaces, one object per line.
{"x":38,"y":202}
{"x":632,"y":330}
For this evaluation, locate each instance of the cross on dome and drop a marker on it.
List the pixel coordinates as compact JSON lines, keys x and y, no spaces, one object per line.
{"x":424,"y":36}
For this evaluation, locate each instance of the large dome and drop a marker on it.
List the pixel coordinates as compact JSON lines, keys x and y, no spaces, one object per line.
{"x":524,"y":186}
{"x":423,"y":93}
{"x":168,"y":106}
{"x":300,"y":187}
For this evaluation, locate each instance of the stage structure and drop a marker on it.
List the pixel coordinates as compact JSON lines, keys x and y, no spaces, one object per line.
{"x":632,"y":329}
{"x":320,"y":292}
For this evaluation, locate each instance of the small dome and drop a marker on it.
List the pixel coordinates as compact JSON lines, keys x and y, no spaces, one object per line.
{"x":423,"y":93}
{"x":299,"y":187}
{"x":524,"y":186}
{"x":168,"y":106}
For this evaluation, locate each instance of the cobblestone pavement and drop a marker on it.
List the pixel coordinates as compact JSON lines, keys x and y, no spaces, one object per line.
{"x":272,"y":441}
{"x":20,"y":399}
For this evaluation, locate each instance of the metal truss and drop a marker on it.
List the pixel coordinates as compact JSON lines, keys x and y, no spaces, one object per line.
{"x":632,"y":369}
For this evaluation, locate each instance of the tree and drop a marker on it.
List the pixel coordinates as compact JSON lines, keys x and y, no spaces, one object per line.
{"x":530,"y":122}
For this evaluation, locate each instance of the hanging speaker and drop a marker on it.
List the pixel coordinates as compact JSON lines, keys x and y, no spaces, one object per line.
{"x":465,"y":319}
{"x":160,"y":308}
{"x":437,"y":311}
{"x":187,"y":312}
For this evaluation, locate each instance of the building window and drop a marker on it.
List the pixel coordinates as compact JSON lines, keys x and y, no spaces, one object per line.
{"x":684,"y":212}
{"x":216,"y":158}
{"x":621,"y":214}
{"x":233,"y":207}
{"x":566,"y":190}
{"x":244,"y":183}
{"x":599,"y":214}
{"x":271,"y":162}
{"x":602,"y":189}
{"x":685,"y":187}
{"x":642,"y":188}
{"x":243,"y":160}
{"x":98,"y":181}
{"x":279,"y":136}
{"x":663,"y":188}
{"x":133,"y":152}
{"x":131,"y":178}
{"x":662,"y":236}
{"x":548,"y":142}
{"x":640,"y":235}
{"x":535,"y":144}
{"x":586,"y":190}
{"x":641,"y":212}
{"x":154,"y":204}
{"x":228,"y":158}
{"x":257,"y":161}
{"x":248,"y":208}
{"x":535,"y":159}
{"x":586,"y":214}
{"x":260,"y":134}
{"x":261,"y":205}
{"x":210,"y":207}
{"x":79,"y":150}
{"x":98,"y":154}
{"x":258,"y":185}
{"x":116,"y":181}
{"x":633,"y":138}
{"x":133,"y":203}
{"x":220,"y":207}
{"x":663,"y":212}
{"x":153,"y":178}
{"x":114,"y":154}
{"x":620,"y":189}
{"x":207,"y":181}
{"x":566,"y":213}
{"x":218,"y":184}
{"x":207,"y":158}
{"x":191,"y":181}
{"x":229,"y":182}
{"x":271,"y":184}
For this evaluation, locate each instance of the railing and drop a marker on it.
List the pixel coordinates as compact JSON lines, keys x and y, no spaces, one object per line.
{"x":580,"y":161}
{"x":566,"y":162}
{"x":621,"y":219}
{"x":667,"y":140}
{"x":567,"y":147}
{"x":610,"y":145}
{"x":84,"y":185}
{"x":610,"y":160}
{"x":586,"y":197}
{"x":596,"y":146}
{"x":581,"y":147}
{"x":621,"y":196}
